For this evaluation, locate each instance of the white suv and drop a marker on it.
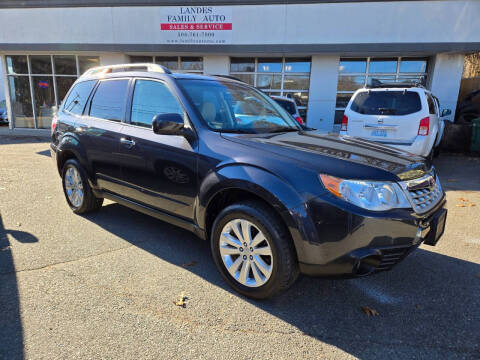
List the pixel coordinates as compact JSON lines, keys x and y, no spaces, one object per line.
{"x":397,"y":115}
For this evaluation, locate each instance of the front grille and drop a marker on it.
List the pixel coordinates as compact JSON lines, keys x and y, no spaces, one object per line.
{"x":391,"y":256}
{"x":423,"y":193}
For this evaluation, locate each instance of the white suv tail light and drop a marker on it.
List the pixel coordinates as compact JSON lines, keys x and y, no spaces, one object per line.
{"x":54,"y":123}
{"x":344,"y":125}
{"x":424,"y":126}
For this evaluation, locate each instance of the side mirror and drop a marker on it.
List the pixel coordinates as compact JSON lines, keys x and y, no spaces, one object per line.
{"x":446,"y":112}
{"x":168,"y":124}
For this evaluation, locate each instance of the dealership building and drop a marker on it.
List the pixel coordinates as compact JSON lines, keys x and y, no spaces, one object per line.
{"x":316,"y":52}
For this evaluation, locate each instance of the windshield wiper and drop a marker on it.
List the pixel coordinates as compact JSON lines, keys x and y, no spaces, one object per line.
{"x":284,"y":129}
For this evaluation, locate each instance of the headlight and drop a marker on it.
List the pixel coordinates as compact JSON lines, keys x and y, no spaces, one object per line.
{"x":371,"y":195}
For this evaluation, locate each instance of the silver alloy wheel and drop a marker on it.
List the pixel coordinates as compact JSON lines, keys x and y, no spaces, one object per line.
{"x":74,"y":186}
{"x":246,"y":253}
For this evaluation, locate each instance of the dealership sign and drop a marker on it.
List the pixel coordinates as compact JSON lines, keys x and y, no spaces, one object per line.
{"x":196,"y":25}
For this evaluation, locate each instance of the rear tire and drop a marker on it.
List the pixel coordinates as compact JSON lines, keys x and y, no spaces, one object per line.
{"x":262,"y":268}
{"x":77,"y":190}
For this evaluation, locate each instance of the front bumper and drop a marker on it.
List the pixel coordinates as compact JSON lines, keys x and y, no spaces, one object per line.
{"x":341,"y":241}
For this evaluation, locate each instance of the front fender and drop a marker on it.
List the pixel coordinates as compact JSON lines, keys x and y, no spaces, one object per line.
{"x":269,"y":187}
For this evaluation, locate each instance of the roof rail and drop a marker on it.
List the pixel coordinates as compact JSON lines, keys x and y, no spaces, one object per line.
{"x":378,"y":84}
{"x":100,"y":70}
{"x":227,"y":77}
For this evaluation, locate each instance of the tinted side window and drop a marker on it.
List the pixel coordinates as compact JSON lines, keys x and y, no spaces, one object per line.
{"x":386,"y":103}
{"x":78,"y":97}
{"x":109,"y":100}
{"x":431,"y":105}
{"x":151,"y":98}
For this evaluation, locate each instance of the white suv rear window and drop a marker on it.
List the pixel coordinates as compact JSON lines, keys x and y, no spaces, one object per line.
{"x":386,"y":103}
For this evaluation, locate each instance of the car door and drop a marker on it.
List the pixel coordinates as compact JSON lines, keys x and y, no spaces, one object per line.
{"x":159,"y":170}
{"x":100,"y":131}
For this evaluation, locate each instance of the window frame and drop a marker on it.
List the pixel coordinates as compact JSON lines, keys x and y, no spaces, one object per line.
{"x":94,"y":91}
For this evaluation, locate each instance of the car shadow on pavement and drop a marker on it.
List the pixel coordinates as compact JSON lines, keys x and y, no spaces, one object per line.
{"x":428,"y":306}
{"x":11,"y":333}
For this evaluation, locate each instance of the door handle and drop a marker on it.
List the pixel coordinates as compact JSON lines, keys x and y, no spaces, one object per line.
{"x":127,"y":143}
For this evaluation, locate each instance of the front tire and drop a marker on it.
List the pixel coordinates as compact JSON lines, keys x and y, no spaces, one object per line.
{"x":77,"y":191}
{"x":253,"y":251}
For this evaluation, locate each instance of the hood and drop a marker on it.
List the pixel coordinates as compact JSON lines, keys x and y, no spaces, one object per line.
{"x":326,"y":152}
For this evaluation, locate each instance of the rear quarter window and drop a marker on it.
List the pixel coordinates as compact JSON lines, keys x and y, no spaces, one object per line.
{"x":386,"y":103}
{"x":75,"y":102}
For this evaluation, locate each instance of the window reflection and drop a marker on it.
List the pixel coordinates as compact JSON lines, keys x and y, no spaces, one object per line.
{"x":170,"y":62}
{"x":41,"y":64}
{"x":65,"y":64}
{"x":21,"y":101}
{"x":383,"y":66}
{"x":242,"y":64}
{"x":63,"y":85}
{"x":269,"y":65}
{"x":87,"y":62}
{"x":297,"y":65}
{"x":191,"y":63}
{"x":352,"y":66}
{"x":44,"y":98}
{"x":17,"y":64}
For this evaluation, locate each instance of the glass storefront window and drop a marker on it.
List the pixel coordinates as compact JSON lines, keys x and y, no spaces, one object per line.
{"x":301,"y":98}
{"x":65,"y":64}
{"x":383,"y":66}
{"x":342,"y":100}
{"x":354,"y":73}
{"x":296,"y":82}
{"x":87,"y":62}
{"x":17,"y":64}
{"x":41,"y":87}
{"x":170,"y":62}
{"x":242,"y":65}
{"x":248,"y":78}
{"x":350,"y":83}
{"x":21,"y":101}
{"x":375,"y":79}
{"x":269,"y":65}
{"x":141,"y":59}
{"x":297,"y":65}
{"x":41,"y":64}
{"x":414,"y":79}
{"x":412,"y":65}
{"x":191,"y":63}
{"x":276,"y":76}
{"x":44,"y":98}
{"x":352,"y":66}
{"x":267,"y":81}
{"x":64,"y":84}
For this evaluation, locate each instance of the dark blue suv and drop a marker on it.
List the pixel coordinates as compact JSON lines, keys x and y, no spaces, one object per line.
{"x":223,"y":160}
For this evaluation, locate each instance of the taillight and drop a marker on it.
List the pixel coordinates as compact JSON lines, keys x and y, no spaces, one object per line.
{"x":424,"y":126}
{"x":344,"y":125}
{"x":299,"y":120}
{"x":54,"y":123}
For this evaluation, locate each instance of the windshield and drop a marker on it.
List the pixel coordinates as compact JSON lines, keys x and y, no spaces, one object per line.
{"x":231,"y":107}
{"x":386,"y":103}
{"x":287,"y":105}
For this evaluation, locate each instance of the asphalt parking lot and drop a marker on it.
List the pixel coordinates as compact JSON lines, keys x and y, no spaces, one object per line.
{"x":104,"y":285}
